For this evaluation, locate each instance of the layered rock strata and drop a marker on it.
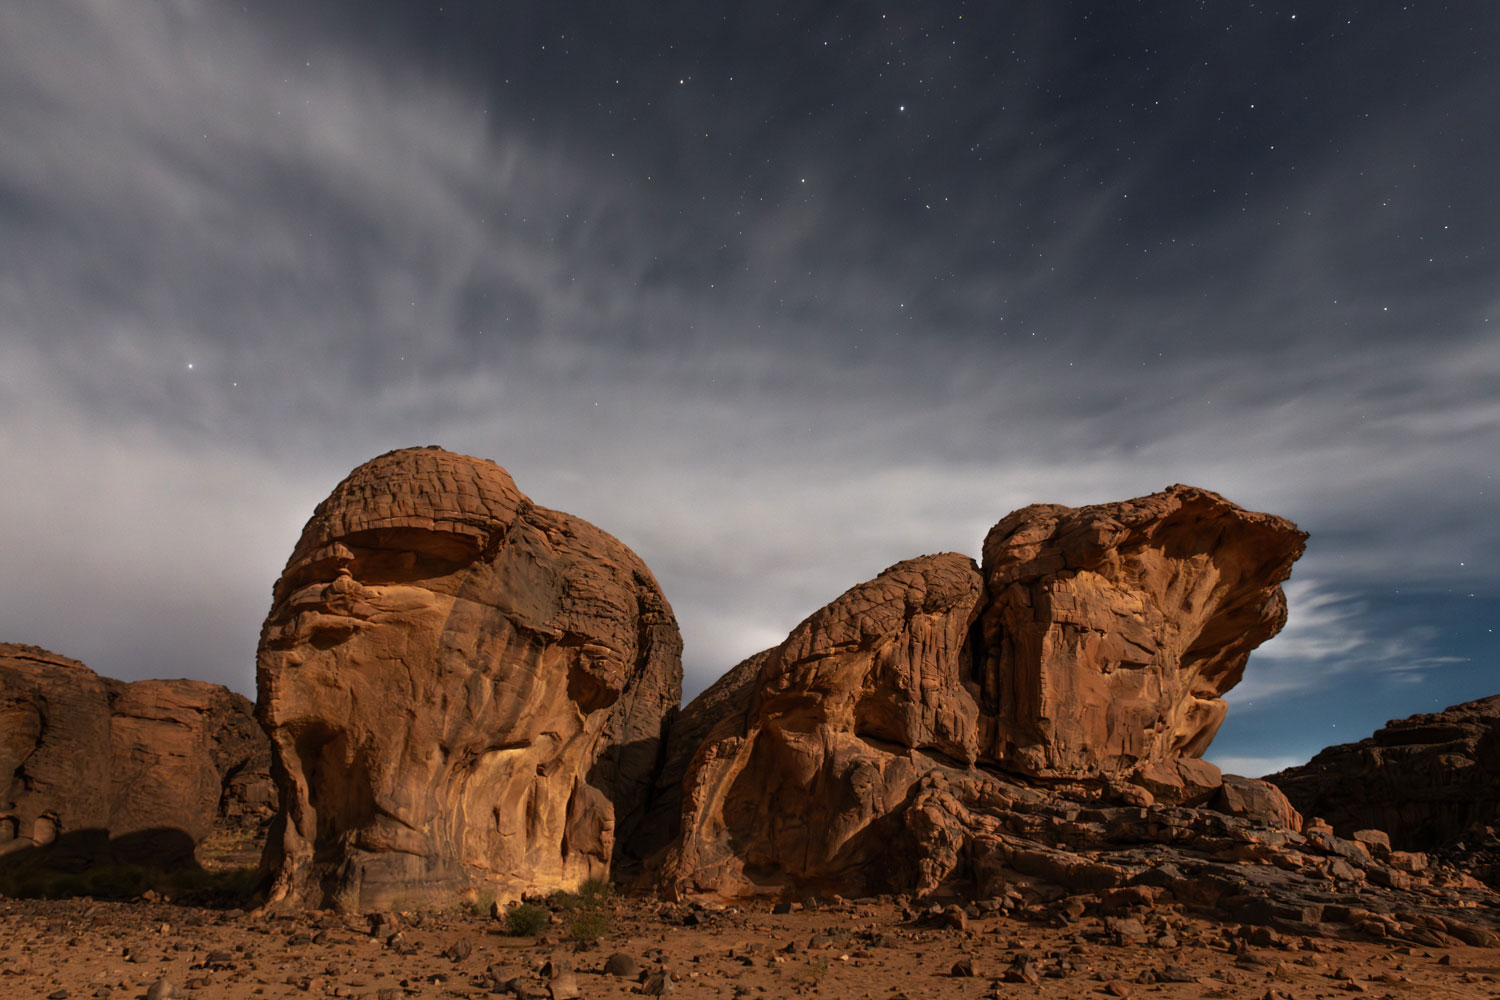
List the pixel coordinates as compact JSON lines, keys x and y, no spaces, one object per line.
{"x":1430,"y":782}
{"x":464,"y":691}
{"x":1091,"y":647}
{"x":103,"y":768}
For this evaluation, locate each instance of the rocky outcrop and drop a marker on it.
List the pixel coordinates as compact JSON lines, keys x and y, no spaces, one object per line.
{"x":1025,"y":735}
{"x":1429,"y":781}
{"x":102,"y":767}
{"x":1111,"y":632}
{"x":1087,"y":655}
{"x":821,"y":740}
{"x":464,"y":691}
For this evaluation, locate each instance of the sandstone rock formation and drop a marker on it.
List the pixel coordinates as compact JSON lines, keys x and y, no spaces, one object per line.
{"x":1110,"y":632}
{"x":154,"y":764}
{"x":464,"y":691}
{"x":1428,"y":781}
{"x":882,"y":745}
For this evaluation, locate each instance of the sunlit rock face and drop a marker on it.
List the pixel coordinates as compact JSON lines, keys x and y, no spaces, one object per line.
{"x":464,"y":691}
{"x":886,"y":743}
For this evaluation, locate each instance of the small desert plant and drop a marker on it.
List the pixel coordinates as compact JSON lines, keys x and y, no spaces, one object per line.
{"x":595,"y":891}
{"x":525,"y":919}
{"x":482,"y":903}
{"x":588,"y":923}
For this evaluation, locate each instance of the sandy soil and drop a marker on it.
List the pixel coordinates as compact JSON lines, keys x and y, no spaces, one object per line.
{"x":81,"y":948}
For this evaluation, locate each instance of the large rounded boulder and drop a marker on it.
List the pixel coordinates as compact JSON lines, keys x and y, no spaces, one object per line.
{"x":465,"y":692}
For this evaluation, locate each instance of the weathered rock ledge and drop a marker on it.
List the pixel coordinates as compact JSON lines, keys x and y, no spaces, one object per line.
{"x":1431,"y":782}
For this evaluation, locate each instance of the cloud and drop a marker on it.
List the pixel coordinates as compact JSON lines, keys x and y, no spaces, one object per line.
{"x":771,"y":390}
{"x":1331,"y":635}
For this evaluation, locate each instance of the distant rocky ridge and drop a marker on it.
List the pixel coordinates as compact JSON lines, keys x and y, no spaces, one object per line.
{"x":101,"y":767}
{"x":1430,"y":781}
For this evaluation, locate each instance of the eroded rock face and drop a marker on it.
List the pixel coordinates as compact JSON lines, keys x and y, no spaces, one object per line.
{"x":887,"y":742}
{"x":463,"y":690}
{"x":101,"y":766}
{"x":1112,"y":631}
{"x":1428,"y":781}
{"x":798,"y":781}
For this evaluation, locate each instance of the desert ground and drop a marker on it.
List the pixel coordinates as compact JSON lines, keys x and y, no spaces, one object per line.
{"x":884,"y":948}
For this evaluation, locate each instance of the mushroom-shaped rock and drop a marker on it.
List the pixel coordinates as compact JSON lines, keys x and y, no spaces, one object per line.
{"x":890,"y":737}
{"x":464,"y":691}
{"x":1111,"y":632}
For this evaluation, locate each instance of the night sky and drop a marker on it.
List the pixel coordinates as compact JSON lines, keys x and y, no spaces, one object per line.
{"x":778,"y":299}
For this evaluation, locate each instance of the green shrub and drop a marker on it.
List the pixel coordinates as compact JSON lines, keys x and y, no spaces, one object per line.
{"x":482,"y":903}
{"x":525,"y":919}
{"x":595,"y":891}
{"x":589,"y":923}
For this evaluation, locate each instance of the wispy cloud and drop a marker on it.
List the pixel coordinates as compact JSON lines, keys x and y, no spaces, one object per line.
{"x":1332,"y":634}
{"x":771,"y":380}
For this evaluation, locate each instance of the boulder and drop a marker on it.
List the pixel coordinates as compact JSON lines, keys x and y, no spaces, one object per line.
{"x":1428,"y":781}
{"x":142,"y":771}
{"x":1258,"y":800}
{"x":464,"y":691}
{"x":898,"y":728}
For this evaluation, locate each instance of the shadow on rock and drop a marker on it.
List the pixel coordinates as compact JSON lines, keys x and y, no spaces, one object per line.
{"x":90,"y":862}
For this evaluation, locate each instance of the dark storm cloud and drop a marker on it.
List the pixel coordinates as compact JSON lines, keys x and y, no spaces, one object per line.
{"x":778,"y":300}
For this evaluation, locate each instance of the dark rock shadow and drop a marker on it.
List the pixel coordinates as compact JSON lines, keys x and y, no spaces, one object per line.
{"x":91,"y":863}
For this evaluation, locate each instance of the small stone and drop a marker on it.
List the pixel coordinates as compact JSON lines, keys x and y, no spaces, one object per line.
{"x":1022,"y":970}
{"x":160,"y":990}
{"x":1115,"y":988}
{"x":1175,"y":974}
{"x":657,"y":984}
{"x":963,"y":968}
{"x":622,"y":965}
{"x":562,"y":983}
{"x":954,"y":918}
